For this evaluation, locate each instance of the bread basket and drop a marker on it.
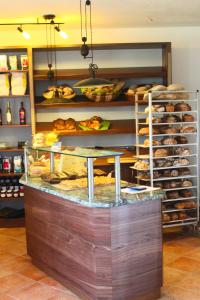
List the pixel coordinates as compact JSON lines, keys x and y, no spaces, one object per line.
{"x":103,"y":94}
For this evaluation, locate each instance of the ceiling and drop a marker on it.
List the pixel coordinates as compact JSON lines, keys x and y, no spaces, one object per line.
{"x":107,"y":13}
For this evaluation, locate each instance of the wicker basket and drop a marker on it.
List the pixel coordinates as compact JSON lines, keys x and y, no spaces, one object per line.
{"x":104,"y":94}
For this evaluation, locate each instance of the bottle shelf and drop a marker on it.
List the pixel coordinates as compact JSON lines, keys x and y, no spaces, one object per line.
{"x":15,"y":126}
{"x":11,"y":174}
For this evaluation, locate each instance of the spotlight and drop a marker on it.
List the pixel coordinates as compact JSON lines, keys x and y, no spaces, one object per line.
{"x":63,"y":34}
{"x":25,"y":34}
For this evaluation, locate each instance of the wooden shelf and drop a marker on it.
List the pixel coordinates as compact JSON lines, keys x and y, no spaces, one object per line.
{"x":12,"y":150}
{"x":17,"y":222}
{"x":82,"y":101}
{"x":12,"y":71}
{"x":14,"y":96}
{"x":12,"y":199}
{"x":11,"y":174}
{"x":117,"y":127}
{"x":15,"y":126}
{"x":135,"y":72}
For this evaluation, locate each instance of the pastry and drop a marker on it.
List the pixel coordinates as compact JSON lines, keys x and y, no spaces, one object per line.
{"x":70,"y":124}
{"x":172,"y":195}
{"x":169,"y":130}
{"x":174,"y":216}
{"x":145,"y":131}
{"x":166,"y":218}
{"x":171,"y":119}
{"x":155,"y":108}
{"x":181,"y":162}
{"x":188,"y":118}
{"x":175,"y":184}
{"x":169,"y":107}
{"x":186,"y":193}
{"x":162,"y":152}
{"x":182,"y":107}
{"x":168,"y":163}
{"x":170,"y":173}
{"x":184,"y":171}
{"x":180,"y":205}
{"x":182,"y":151}
{"x":186,"y":183}
{"x":158,"y":184}
{"x":182,"y":216}
{"x":190,"y":204}
{"x":141,"y":165}
{"x":154,"y":120}
{"x":187,"y":129}
{"x":175,"y":87}
{"x":168,"y":141}
{"x":59,"y":124}
{"x":156,"y":174}
{"x":154,"y":142}
{"x":159,"y":87}
{"x":181,"y":140}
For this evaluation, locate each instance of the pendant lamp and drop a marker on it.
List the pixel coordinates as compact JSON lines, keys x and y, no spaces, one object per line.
{"x":93,"y":81}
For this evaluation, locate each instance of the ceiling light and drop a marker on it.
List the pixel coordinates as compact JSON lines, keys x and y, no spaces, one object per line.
{"x":25,"y":34}
{"x":63,"y":34}
{"x":93,"y":81}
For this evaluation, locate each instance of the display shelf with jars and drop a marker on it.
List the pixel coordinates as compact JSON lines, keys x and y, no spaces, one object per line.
{"x":15,"y":129}
{"x":167,"y":144}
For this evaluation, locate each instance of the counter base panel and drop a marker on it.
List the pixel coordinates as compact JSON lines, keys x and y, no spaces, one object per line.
{"x":99,"y":253}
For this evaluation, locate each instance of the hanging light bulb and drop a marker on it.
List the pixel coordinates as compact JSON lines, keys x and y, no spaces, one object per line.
{"x":63,"y":34}
{"x":25,"y":34}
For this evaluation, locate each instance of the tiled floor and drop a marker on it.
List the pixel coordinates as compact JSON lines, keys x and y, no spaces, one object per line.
{"x":20,"y":280}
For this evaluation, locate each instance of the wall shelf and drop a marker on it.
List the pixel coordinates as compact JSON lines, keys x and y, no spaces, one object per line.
{"x":117,"y":127}
{"x":11,"y":174}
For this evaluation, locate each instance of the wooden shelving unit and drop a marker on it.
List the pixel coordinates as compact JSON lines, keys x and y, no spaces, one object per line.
{"x":11,"y":174}
{"x":14,"y":96}
{"x":140,"y":72}
{"x":15,"y":126}
{"x":17,"y":222}
{"x":117,"y":127}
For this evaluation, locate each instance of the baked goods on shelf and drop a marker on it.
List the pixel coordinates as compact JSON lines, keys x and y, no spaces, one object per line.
{"x":169,"y":130}
{"x":172,"y":195}
{"x":170,"y":173}
{"x":154,"y":142}
{"x":175,"y":87}
{"x":145,"y":131}
{"x":93,"y":123}
{"x":184,"y":171}
{"x":171,"y":119}
{"x":155,"y":108}
{"x":181,"y":151}
{"x":166,"y":218}
{"x":181,"y":140}
{"x":181,"y":162}
{"x":162,"y":152}
{"x":182,"y":107}
{"x":182,"y":215}
{"x":68,"y":125}
{"x":169,"y":107}
{"x":174,"y":216}
{"x":186,"y":193}
{"x":187,"y":183}
{"x":161,"y":163}
{"x":187,"y":118}
{"x":187,"y":129}
{"x":141,"y":165}
{"x":169,"y":141}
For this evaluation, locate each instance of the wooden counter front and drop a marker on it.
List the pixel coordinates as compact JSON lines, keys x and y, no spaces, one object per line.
{"x":99,"y":253}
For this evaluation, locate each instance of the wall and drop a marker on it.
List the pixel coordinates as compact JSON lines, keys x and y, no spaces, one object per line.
{"x":185,"y":56}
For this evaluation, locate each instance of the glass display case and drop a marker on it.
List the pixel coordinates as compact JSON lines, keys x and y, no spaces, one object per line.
{"x":71,"y":172}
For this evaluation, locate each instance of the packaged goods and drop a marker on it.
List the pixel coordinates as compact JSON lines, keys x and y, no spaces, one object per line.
{"x":24,"y":61}
{"x":3,"y":63}
{"x":13,"y":62}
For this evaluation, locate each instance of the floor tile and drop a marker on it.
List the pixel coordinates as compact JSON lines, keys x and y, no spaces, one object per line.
{"x":32,"y":272}
{"x":173,"y":276}
{"x":6,"y":297}
{"x":185,"y":264}
{"x":37,"y":291}
{"x":13,"y":266}
{"x":53,"y":283}
{"x":14,"y":282}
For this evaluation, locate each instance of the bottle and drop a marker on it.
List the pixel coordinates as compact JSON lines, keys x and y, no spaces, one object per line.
{"x":22,"y":114}
{"x":8,"y":114}
{"x":0,"y":117}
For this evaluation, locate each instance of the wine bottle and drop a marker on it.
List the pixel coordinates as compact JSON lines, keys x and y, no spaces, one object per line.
{"x":0,"y":117}
{"x":8,"y":114}
{"x":22,"y":114}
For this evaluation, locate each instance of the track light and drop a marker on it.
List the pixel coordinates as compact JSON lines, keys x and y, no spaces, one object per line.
{"x":63,"y":34}
{"x":25,"y":34}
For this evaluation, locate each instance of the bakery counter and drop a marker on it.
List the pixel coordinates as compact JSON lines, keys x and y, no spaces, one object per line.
{"x":101,"y":250}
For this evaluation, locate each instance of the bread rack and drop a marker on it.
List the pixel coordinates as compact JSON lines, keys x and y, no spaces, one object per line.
{"x":171,"y":207}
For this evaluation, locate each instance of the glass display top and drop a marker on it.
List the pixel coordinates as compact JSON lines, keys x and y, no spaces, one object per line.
{"x":79,"y":151}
